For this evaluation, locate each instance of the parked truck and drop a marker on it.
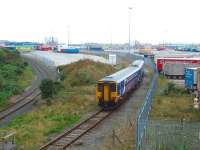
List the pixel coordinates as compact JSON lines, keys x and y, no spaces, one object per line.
{"x":177,"y":70}
{"x":160,"y":62}
{"x":191,"y":78}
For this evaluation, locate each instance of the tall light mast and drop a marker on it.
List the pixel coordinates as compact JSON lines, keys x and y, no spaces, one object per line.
{"x":68,"y":35}
{"x":129,"y":28}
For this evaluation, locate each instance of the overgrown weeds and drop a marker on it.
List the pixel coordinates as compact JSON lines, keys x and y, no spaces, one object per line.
{"x":173,"y":102}
{"x":15,"y":75}
{"x":68,"y":104}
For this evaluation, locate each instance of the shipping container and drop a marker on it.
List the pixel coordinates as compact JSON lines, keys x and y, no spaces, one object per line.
{"x":174,"y":70}
{"x":44,"y":48}
{"x":10,"y":48}
{"x":191,"y":78}
{"x":160,"y":62}
{"x":24,"y":48}
{"x":95,"y":48}
{"x":70,"y":50}
{"x":198,"y":80}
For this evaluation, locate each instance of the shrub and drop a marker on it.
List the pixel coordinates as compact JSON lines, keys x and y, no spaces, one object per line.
{"x":57,"y":87}
{"x":47,"y":88}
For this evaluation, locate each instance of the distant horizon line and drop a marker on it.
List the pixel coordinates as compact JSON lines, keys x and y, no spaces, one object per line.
{"x":107,"y":43}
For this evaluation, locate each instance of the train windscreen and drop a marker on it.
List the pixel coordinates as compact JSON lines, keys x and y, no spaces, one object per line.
{"x":100,"y":87}
{"x":113,"y":87}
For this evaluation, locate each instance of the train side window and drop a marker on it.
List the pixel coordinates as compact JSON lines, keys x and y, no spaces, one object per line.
{"x":113,"y":87}
{"x":100,"y":87}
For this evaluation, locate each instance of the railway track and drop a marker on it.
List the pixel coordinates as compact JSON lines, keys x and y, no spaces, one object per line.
{"x":64,"y":140}
{"x":19,"y":104}
{"x":26,"y":98}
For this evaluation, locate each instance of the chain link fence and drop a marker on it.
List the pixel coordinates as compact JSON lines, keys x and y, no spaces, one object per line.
{"x":143,"y":113}
{"x":171,"y":135}
{"x":164,"y":134}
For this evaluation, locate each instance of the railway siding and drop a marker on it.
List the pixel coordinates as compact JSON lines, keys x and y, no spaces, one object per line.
{"x":25,"y":99}
{"x":66,"y":109}
{"x":66,"y":139}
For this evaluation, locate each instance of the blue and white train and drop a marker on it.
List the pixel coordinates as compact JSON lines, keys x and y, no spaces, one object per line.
{"x":112,"y":89}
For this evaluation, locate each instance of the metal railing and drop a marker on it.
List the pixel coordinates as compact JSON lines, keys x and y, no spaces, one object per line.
{"x":143,"y":113}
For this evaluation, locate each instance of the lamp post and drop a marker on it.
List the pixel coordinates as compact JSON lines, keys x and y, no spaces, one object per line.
{"x":129,"y":28}
{"x":68,"y":34}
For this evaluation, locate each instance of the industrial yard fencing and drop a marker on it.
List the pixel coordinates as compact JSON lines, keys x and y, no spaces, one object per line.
{"x":142,"y":119}
{"x":171,"y":135}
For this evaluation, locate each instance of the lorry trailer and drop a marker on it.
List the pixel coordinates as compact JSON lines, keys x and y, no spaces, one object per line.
{"x":176,"y":70}
{"x":160,"y":62}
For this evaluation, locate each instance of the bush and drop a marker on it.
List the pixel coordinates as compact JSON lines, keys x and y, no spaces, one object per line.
{"x":57,"y":87}
{"x":49,"y":88}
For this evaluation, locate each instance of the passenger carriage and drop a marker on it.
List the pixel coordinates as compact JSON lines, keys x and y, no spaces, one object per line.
{"x":111,"y":89}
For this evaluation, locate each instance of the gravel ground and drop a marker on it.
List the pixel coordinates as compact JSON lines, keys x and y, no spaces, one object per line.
{"x":57,"y":59}
{"x":96,"y":138}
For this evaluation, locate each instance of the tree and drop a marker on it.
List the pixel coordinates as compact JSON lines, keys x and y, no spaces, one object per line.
{"x":47,"y":88}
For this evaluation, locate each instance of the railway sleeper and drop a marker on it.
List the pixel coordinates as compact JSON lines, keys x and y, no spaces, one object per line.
{"x":54,"y":147}
{"x":79,"y":130}
{"x":96,"y":119}
{"x":63,"y":143}
{"x":76,"y":134}
{"x":84,"y":127}
{"x":65,"y":140}
{"x":60,"y":144}
{"x":70,"y":136}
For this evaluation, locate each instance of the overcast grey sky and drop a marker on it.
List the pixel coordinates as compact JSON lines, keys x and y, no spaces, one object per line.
{"x":96,"y":20}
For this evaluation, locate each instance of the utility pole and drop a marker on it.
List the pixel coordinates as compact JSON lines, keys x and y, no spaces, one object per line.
{"x":68,"y":34}
{"x":111,"y":38}
{"x":129,"y":28}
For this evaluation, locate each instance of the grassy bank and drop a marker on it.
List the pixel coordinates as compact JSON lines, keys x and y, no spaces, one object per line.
{"x":15,"y":76}
{"x":76,"y":98}
{"x":173,"y":102}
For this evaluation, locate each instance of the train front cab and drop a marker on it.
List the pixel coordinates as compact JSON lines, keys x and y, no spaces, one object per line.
{"x":106,"y":94}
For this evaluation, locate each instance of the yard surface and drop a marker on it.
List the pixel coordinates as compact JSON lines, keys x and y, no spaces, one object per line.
{"x":173,"y":102}
{"x":72,"y":102}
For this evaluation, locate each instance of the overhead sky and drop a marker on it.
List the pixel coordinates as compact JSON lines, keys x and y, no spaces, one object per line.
{"x":102,"y":21}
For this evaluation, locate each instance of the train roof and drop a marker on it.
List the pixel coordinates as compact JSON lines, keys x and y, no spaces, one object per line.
{"x":138,"y":63}
{"x":193,"y":68}
{"x":180,"y":58}
{"x":124,"y":73}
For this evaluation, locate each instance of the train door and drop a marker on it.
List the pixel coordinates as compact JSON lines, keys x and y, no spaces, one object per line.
{"x":106,"y":93}
{"x":119,"y":89}
{"x":122,"y":87}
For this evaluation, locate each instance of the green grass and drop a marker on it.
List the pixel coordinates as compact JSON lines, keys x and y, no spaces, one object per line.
{"x":67,"y":108}
{"x":173,"y":104}
{"x":25,"y":79}
{"x":15,"y":76}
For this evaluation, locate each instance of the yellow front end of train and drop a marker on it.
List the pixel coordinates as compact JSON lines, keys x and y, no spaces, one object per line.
{"x":106,"y":94}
